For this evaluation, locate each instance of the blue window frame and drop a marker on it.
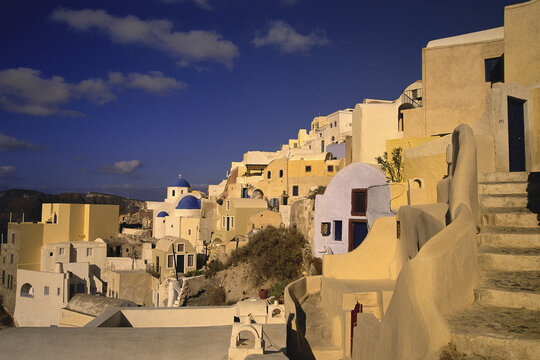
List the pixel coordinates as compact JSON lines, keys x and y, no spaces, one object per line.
{"x":338,"y":224}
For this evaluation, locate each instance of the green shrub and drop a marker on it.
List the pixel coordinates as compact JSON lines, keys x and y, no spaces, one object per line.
{"x":318,"y":191}
{"x":273,"y":253}
{"x":193,"y":273}
{"x":277,"y":289}
{"x":314,"y":265}
{"x":393,"y":168}
{"x":212,"y":268}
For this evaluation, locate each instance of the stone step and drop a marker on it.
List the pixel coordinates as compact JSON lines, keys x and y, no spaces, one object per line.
{"x":327,"y":352}
{"x":515,"y":289}
{"x":509,"y":259}
{"x":504,"y":200}
{"x":497,"y":332}
{"x":512,"y":188}
{"x":511,"y":299}
{"x":509,"y":217}
{"x":503,"y":177}
{"x":512,"y":237}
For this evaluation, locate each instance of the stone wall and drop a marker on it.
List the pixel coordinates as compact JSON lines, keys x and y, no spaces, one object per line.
{"x":302,"y":218}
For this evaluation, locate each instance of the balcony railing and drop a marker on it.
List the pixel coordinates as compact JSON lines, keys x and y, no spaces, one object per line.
{"x":153,"y":270}
{"x":413,"y":97}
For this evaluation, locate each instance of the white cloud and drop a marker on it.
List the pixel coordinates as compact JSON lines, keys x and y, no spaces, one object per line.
{"x":190,"y":46}
{"x":154,"y":81}
{"x":287,"y":40}
{"x":7,"y":171}
{"x":121,"y":167}
{"x":203,"y":4}
{"x":23,"y":90}
{"x":26,"y":91}
{"x":11,"y":143}
{"x":95,"y":90}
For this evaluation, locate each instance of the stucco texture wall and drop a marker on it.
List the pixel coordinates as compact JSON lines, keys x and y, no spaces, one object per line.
{"x":264,"y":219}
{"x":134,"y":285}
{"x":302,"y":217}
{"x":335,"y":205}
{"x":454,"y":86}
{"x":521,"y":37}
{"x":427,"y":162}
{"x":30,"y":242}
{"x":437,"y":281}
{"x":374,"y":259}
{"x":70,"y":318}
{"x":41,"y":309}
{"x":373,"y":124}
{"x":413,"y":123}
{"x":100,"y":221}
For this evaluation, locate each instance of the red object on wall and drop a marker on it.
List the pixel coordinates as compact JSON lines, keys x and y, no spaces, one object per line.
{"x":354,"y":320}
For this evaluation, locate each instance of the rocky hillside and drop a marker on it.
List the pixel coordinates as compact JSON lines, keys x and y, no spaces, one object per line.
{"x":18,"y":201}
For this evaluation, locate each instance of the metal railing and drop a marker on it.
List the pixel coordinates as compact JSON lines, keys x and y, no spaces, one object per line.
{"x":413,"y":97}
{"x":153,"y":270}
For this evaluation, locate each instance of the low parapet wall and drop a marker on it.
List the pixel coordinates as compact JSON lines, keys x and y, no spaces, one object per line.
{"x":295,"y":293}
{"x":196,"y":316}
{"x":437,"y":281}
{"x":372,"y":260}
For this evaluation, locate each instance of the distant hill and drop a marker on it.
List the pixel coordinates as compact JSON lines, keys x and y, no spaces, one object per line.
{"x":18,"y":201}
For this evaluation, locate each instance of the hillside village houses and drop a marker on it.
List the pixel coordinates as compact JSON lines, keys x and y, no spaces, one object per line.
{"x":51,"y":260}
{"x":447,"y":256}
{"x":458,"y":290}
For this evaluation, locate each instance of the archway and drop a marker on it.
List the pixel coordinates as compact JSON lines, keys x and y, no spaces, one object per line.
{"x":403,"y":107}
{"x":27,"y":290}
{"x":258,"y":194}
{"x":246,"y":339}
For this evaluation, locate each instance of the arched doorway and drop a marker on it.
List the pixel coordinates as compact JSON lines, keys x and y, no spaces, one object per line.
{"x":27,"y":290}
{"x":401,"y":109}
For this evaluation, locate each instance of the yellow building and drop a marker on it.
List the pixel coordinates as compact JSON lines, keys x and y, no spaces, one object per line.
{"x":59,"y":223}
{"x":375,"y":121}
{"x":173,"y":256}
{"x":232,"y":229}
{"x":488,"y":79}
{"x":287,"y":180}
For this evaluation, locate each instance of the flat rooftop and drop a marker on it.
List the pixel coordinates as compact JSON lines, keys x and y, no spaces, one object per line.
{"x":211,"y":342}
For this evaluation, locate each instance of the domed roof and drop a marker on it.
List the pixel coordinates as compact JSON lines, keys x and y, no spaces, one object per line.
{"x":162,"y":214}
{"x":189,"y":202}
{"x":180,"y":183}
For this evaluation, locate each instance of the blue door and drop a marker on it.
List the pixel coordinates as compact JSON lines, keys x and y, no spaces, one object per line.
{"x":516,"y":135}
{"x":357,"y":233}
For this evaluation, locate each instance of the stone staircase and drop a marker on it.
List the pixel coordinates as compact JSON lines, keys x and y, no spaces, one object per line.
{"x":504,"y":321}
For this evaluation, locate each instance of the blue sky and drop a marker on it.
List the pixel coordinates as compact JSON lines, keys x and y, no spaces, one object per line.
{"x":121,"y":96}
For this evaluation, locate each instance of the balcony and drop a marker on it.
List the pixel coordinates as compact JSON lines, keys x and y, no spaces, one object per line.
{"x":153,"y":270}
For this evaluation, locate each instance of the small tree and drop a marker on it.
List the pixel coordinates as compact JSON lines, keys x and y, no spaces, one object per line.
{"x":393,"y":167}
{"x":318,"y":191}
